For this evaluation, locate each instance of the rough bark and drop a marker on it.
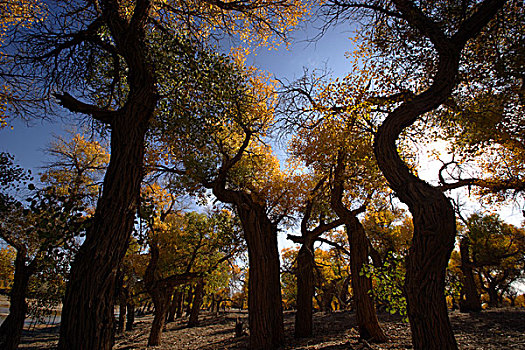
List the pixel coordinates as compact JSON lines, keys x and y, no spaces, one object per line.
{"x":197,"y":303}
{"x":87,"y":314}
{"x":11,"y":328}
{"x":472,"y":300}
{"x":265,"y":311}
{"x":433,"y":215}
{"x":88,"y":305}
{"x":305,"y":291}
{"x":369,"y":328}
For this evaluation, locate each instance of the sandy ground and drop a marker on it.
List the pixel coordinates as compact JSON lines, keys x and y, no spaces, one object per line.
{"x":491,"y":329}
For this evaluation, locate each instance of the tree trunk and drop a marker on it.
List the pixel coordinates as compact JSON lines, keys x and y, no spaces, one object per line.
{"x":122,"y":293}
{"x":433,"y":216}
{"x":369,"y":328}
{"x":180,"y":305}
{"x":189,"y":300}
{"x":197,"y":303}
{"x":175,"y":303}
{"x":432,"y":243}
{"x":367,"y":321}
{"x":305,"y":291}
{"x":265,"y":311}
{"x":472,"y":301}
{"x":493,"y":295}
{"x":11,"y":328}
{"x":122,"y":315}
{"x":87,"y":314}
{"x":161,"y":300}
{"x":131,"y":316}
{"x":327,"y":295}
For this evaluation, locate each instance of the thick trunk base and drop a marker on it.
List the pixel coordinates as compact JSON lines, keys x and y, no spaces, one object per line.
{"x":305,"y":292}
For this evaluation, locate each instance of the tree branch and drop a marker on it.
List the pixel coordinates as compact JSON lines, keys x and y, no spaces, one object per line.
{"x":72,"y":104}
{"x":333,"y":244}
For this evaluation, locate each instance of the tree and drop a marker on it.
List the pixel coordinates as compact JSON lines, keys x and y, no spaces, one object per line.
{"x":229,"y":158}
{"x":104,"y":53}
{"x":497,"y":254}
{"x":38,"y":233}
{"x":13,"y":15}
{"x":44,"y":232}
{"x":77,"y":167}
{"x":332,"y":273}
{"x":442,"y":34}
{"x":333,"y":120}
{"x":359,"y":246}
{"x":184,"y":248}
{"x":311,"y":230}
{"x":7,"y":264}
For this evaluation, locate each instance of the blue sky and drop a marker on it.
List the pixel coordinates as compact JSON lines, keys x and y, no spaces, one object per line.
{"x":26,"y":143}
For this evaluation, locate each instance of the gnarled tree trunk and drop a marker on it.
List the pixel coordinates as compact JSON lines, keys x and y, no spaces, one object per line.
{"x":433,"y":215}
{"x":265,"y":311}
{"x":87,"y":314}
{"x":367,"y":321}
{"x":306,"y":265}
{"x":161,"y":300}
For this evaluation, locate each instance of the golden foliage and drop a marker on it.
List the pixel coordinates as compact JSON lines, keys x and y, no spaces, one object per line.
{"x":77,"y":168}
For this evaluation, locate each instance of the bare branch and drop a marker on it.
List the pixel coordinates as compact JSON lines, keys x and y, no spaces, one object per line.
{"x":76,"y":106}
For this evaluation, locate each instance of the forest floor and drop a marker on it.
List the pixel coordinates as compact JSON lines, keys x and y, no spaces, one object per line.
{"x":491,"y":329}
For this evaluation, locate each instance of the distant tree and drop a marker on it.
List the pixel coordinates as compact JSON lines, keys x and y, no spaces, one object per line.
{"x":315,"y":222}
{"x":183,"y":248}
{"x":333,"y":121}
{"x":40,"y":233}
{"x":7,"y":267}
{"x":77,"y":167}
{"x":497,"y":251}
